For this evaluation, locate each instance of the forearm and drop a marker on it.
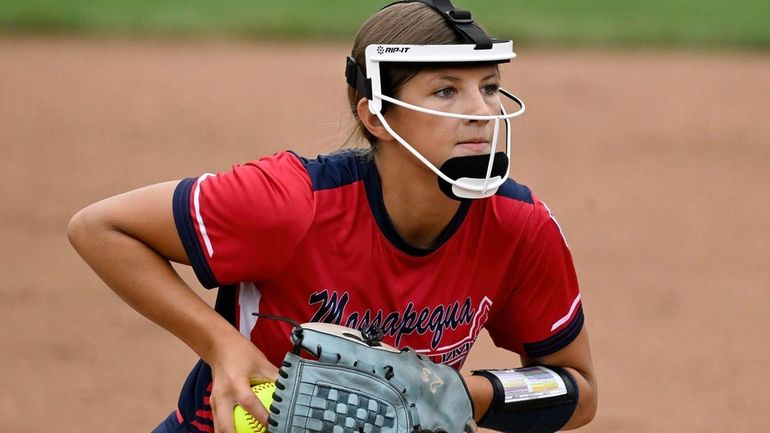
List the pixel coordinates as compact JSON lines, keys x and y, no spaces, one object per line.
{"x":148,"y":283}
{"x":482,"y":393}
{"x":129,"y":241}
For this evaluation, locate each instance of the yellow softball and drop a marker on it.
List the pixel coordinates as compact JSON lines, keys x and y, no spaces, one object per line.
{"x":244,"y":422}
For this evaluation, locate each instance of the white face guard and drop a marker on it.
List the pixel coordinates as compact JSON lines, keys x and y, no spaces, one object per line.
{"x":501,"y":51}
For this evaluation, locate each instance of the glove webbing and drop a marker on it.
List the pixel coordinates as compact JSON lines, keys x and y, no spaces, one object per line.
{"x":334,"y":410}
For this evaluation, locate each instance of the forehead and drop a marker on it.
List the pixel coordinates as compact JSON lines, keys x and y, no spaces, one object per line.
{"x":460,"y":72}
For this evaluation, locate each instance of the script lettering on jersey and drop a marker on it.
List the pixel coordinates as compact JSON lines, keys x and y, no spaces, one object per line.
{"x":331,"y":307}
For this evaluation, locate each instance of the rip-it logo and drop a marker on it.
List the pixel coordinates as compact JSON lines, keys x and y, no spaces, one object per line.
{"x":388,"y":50}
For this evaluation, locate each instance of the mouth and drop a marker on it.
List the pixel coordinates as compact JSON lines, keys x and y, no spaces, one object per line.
{"x":476,"y":144}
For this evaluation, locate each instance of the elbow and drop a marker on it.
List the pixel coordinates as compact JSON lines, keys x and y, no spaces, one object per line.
{"x":587,"y":415}
{"x":593,"y":402}
{"x":586,"y":409}
{"x":77,"y":228}
{"x":83,"y":227}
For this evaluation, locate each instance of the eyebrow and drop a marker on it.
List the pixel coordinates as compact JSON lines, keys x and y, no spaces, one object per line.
{"x":456,"y":79}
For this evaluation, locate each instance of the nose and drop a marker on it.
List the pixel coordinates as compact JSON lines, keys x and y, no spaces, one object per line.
{"x":478,"y":105}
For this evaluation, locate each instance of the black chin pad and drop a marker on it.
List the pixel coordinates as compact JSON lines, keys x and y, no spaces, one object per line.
{"x":474,"y":166}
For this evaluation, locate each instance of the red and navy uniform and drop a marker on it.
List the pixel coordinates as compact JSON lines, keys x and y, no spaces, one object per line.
{"x":310,"y":239}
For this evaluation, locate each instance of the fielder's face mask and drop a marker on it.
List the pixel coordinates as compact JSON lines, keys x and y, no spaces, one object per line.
{"x":465,"y":177}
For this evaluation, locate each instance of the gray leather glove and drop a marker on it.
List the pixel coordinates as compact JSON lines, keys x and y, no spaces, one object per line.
{"x":352,"y":383}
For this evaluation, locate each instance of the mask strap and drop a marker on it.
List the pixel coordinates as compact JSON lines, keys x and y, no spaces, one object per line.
{"x":460,"y":20}
{"x":356,"y":78}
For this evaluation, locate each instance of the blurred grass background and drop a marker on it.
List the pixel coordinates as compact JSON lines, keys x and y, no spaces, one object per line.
{"x":602,"y":23}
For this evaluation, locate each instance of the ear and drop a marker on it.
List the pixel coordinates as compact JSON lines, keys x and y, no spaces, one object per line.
{"x":371,"y":122}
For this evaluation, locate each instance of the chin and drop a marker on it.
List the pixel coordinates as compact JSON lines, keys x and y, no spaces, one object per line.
{"x":471,"y":149}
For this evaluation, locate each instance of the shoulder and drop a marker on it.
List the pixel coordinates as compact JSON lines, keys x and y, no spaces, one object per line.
{"x":516,"y":209}
{"x":512,"y":206}
{"x":514,"y":197}
{"x":278,"y":175}
{"x":515,"y":192}
{"x":280,"y":164}
{"x":336,"y":169}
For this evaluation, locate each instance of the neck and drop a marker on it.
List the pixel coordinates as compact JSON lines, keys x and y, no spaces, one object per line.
{"x":416,"y":206}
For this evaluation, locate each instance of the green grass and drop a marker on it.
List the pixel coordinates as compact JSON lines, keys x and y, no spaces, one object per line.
{"x":690,"y":23}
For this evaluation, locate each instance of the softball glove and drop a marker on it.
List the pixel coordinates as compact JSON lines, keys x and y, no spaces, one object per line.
{"x":353,"y":383}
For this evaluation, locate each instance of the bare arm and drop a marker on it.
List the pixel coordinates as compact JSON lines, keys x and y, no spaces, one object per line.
{"x":575,"y":358}
{"x":128,"y":240}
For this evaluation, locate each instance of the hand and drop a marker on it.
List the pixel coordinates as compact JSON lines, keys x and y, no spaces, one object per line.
{"x":236,"y":364}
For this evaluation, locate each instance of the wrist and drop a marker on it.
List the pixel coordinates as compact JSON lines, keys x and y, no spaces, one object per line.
{"x":481,"y":392}
{"x":534,"y":399}
{"x":220,"y":344}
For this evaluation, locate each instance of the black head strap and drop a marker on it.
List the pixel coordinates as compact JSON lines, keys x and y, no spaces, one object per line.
{"x":356,"y":78}
{"x":460,"y":20}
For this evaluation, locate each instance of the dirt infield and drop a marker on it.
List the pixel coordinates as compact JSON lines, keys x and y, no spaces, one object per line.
{"x":657,"y":165}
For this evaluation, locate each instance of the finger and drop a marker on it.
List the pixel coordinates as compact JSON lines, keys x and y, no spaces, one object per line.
{"x":251,"y":403}
{"x":222,"y":412}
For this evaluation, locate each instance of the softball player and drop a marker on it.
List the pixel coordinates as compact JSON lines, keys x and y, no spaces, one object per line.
{"x":423,"y":236}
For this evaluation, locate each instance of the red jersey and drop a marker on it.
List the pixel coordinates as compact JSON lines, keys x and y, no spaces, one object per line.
{"x":311,"y":240}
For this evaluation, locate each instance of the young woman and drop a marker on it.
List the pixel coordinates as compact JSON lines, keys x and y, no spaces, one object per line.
{"x":422,"y":235}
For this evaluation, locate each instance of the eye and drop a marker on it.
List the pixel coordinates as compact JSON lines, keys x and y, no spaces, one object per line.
{"x":491,"y":89}
{"x":445,"y":92}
